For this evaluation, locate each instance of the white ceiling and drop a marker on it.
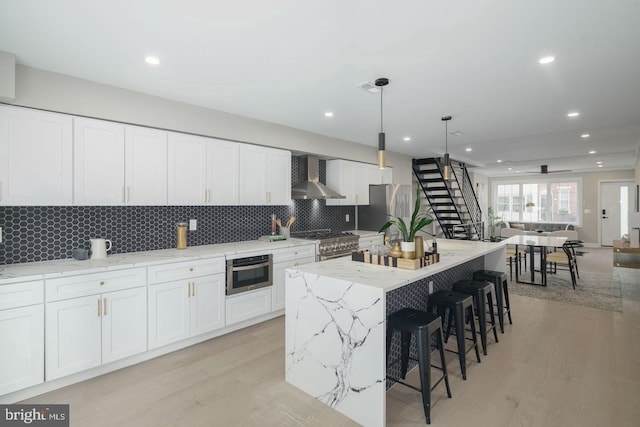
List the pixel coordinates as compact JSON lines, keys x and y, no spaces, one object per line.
{"x":288,"y":62}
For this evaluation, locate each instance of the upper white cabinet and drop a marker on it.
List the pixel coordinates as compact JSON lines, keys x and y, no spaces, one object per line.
{"x":202,"y":171}
{"x":380,"y":176}
{"x":35,"y":157}
{"x":116,"y":164}
{"x":351,"y":179}
{"x":265,"y":176}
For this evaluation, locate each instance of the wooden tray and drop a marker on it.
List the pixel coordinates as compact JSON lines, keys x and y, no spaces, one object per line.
{"x":389,"y":261}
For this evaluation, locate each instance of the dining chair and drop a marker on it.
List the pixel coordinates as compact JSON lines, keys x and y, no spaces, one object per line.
{"x":512,"y":256}
{"x":572,"y":241}
{"x":566,"y":258}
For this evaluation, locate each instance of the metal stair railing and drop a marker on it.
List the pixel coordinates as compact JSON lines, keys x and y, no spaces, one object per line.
{"x":465,"y":185}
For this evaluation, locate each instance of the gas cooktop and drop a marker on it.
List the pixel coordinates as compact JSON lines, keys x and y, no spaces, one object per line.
{"x":320,"y":234}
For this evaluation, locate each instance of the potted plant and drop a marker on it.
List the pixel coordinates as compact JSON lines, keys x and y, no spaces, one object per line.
{"x":494,"y":221}
{"x":408,"y":231}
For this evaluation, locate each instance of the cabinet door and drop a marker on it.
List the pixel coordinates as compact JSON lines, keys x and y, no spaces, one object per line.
{"x":247,"y":305}
{"x":380,"y":176}
{"x":168,"y":313}
{"x":253,"y":175}
{"x":73,"y":340}
{"x":207,"y":304}
{"x":124,"y":323}
{"x":222,"y":172}
{"x":340,"y":178}
{"x":36,"y":158}
{"x":146,"y":166}
{"x":279,"y":279}
{"x":98,"y":162}
{"x":187,"y":172}
{"x":279,"y":177}
{"x":22,"y":349}
{"x":360,"y":177}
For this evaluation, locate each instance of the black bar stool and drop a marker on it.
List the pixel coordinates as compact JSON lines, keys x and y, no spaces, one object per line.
{"x":458,"y":304}
{"x":482,"y":293}
{"x":500,"y":284}
{"x":424,"y":326}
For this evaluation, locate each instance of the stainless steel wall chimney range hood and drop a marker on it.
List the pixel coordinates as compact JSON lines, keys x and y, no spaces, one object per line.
{"x":309,"y":186}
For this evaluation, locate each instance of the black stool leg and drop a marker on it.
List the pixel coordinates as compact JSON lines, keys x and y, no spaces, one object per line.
{"x":405,"y":343}
{"x":459,"y":316}
{"x":482,"y":319}
{"x":473,"y":332}
{"x":505,"y":288}
{"x":424,"y":363}
{"x":443,"y":363}
{"x":449,"y":323}
{"x":500,"y":303}
{"x":492,"y":316}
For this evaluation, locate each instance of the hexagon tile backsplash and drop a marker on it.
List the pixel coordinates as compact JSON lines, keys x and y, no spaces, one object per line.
{"x":40,"y":233}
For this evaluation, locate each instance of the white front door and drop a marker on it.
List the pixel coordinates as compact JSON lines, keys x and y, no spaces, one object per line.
{"x":614,"y":211}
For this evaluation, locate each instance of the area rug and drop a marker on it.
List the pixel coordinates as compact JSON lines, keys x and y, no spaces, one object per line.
{"x":597,"y":290}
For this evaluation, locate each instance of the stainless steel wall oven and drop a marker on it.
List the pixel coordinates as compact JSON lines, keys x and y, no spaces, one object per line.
{"x":248,"y":273}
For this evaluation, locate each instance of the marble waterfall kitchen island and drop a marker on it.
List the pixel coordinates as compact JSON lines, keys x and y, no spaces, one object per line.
{"x":336,"y":314}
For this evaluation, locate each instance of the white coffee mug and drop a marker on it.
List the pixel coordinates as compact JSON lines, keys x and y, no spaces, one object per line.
{"x":99,"y":248}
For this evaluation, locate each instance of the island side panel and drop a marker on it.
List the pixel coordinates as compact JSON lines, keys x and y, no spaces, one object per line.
{"x":416,"y":295}
{"x":335,"y":344}
{"x":496,"y":260}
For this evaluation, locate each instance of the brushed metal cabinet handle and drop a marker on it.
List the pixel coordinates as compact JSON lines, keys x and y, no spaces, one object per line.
{"x":104,"y":306}
{"x":99,"y":301}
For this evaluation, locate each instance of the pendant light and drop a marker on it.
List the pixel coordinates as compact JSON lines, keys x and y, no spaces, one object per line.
{"x":381,"y":83}
{"x":446,"y":174}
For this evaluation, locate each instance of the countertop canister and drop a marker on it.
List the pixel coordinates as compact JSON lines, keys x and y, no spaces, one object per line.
{"x":181,"y":229}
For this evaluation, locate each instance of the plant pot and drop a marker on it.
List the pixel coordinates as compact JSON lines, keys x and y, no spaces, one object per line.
{"x":408,"y":250}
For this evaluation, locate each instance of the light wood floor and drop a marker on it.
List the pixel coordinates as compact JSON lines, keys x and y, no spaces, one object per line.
{"x":557,"y":365}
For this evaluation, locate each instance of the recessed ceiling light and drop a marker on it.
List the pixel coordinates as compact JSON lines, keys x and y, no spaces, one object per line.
{"x":406,"y":138}
{"x":592,"y":152}
{"x":598,"y":163}
{"x":328,"y":114}
{"x":510,"y":168}
{"x":498,"y":161}
{"x":585,"y":135}
{"x":152,"y":60}
{"x":546,"y":60}
{"x":573,"y":114}
{"x":517,"y":171}
{"x":467,"y":149}
{"x":599,"y":166}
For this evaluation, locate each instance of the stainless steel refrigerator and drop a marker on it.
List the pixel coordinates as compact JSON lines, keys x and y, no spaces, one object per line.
{"x":385,"y":200}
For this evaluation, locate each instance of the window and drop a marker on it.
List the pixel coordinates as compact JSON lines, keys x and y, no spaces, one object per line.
{"x":542,"y":200}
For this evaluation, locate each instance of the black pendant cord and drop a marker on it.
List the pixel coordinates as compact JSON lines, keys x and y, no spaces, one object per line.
{"x":381,"y":106}
{"x":446,"y":137}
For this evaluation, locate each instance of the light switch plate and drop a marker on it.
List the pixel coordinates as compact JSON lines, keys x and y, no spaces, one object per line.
{"x":193,"y":224}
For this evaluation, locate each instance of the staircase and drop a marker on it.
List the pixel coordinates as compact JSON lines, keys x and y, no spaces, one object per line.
{"x":454,"y":203}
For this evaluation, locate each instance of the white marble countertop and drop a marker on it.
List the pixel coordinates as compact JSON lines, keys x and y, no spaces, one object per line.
{"x":452,"y":253}
{"x":11,"y":273}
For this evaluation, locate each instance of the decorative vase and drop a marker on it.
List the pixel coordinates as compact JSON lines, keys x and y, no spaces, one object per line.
{"x":408,"y":250}
{"x":419,"y":246}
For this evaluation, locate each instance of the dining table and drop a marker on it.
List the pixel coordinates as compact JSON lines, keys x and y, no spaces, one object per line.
{"x":532,"y":242}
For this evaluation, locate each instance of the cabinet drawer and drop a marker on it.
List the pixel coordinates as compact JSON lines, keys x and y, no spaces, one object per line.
{"x":186,"y":270}
{"x":297,"y":252}
{"x":21,"y":294}
{"x":248,"y":305}
{"x":95,"y":283}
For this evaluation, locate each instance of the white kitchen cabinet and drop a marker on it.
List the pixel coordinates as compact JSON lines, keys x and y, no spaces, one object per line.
{"x":202,"y":171}
{"x":145,"y":166}
{"x":186,"y":299}
{"x":283,"y":259}
{"x":116,"y":164}
{"x":36,"y":157}
{"x":247,"y":305}
{"x":351,"y":179}
{"x":21,"y":335}
{"x":367,"y":242}
{"x":264,"y":176}
{"x":94,"y":319}
{"x":380,"y":176}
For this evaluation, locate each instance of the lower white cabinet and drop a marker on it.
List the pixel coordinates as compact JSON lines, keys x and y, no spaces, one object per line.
{"x":283,"y":259}
{"x":85,"y":332}
{"x":367,"y":242}
{"x":246,"y":305}
{"x":185,"y":308}
{"x":21,"y":348}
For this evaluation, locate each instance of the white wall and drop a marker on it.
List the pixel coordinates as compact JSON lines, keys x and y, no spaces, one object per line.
{"x":7,"y":77}
{"x":57,"y":92}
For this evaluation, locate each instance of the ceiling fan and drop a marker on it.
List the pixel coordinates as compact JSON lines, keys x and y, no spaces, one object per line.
{"x":544,"y":170}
